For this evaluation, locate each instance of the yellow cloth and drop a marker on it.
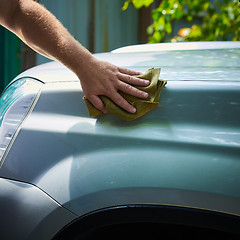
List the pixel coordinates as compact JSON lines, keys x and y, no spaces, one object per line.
{"x":143,"y":106}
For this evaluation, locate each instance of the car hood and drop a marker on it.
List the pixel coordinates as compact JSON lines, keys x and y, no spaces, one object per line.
{"x":210,"y":65}
{"x":190,"y":143}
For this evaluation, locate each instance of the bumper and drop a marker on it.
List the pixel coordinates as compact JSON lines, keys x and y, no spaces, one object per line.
{"x":29,"y":213}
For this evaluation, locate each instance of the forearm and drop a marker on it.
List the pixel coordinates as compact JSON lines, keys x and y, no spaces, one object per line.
{"x":40,"y":30}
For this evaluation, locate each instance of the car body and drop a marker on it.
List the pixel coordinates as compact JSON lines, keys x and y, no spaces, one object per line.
{"x":65,"y":175}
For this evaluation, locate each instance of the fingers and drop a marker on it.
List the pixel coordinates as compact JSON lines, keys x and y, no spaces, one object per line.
{"x":120,"y":101}
{"x":97,"y":103}
{"x":125,"y":75}
{"x":128,"y":71}
{"x":133,"y":80}
{"x":117,"y":98}
{"x":132,"y":90}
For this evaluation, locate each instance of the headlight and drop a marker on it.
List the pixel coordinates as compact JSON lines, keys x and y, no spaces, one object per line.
{"x":16,"y":102}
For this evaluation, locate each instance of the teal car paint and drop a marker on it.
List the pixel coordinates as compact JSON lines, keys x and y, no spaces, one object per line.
{"x":184,"y":154}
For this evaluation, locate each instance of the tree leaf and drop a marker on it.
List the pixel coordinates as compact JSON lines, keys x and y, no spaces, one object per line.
{"x":125,"y":6}
{"x":168,"y":27}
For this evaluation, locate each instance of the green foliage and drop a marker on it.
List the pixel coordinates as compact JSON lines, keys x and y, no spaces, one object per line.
{"x":137,"y":3}
{"x":220,"y":19}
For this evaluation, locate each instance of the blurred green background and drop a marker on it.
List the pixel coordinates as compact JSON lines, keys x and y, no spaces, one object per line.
{"x":205,"y":20}
{"x":104,"y":25}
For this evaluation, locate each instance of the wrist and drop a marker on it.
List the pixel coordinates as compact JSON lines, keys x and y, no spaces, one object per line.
{"x":84,"y":65}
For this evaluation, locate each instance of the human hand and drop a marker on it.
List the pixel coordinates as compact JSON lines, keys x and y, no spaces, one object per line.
{"x":103,"y":78}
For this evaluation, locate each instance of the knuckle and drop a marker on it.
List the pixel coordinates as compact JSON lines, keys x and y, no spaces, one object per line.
{"x":119,"y":101}
{"x":109,"y":91}
{"x":129,"y":78}
{"x":113,"y":80}
{"x":127,"y":88}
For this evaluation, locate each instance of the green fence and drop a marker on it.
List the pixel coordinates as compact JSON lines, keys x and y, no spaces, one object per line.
{"x":99,"y":25}
{"x":10,"y":59}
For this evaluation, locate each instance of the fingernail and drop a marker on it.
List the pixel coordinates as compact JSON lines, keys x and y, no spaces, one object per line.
{"x":104,"y":111}
{"x":133,"y":110}
{"x":145,"y":95}
{"x":147,"y":82}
